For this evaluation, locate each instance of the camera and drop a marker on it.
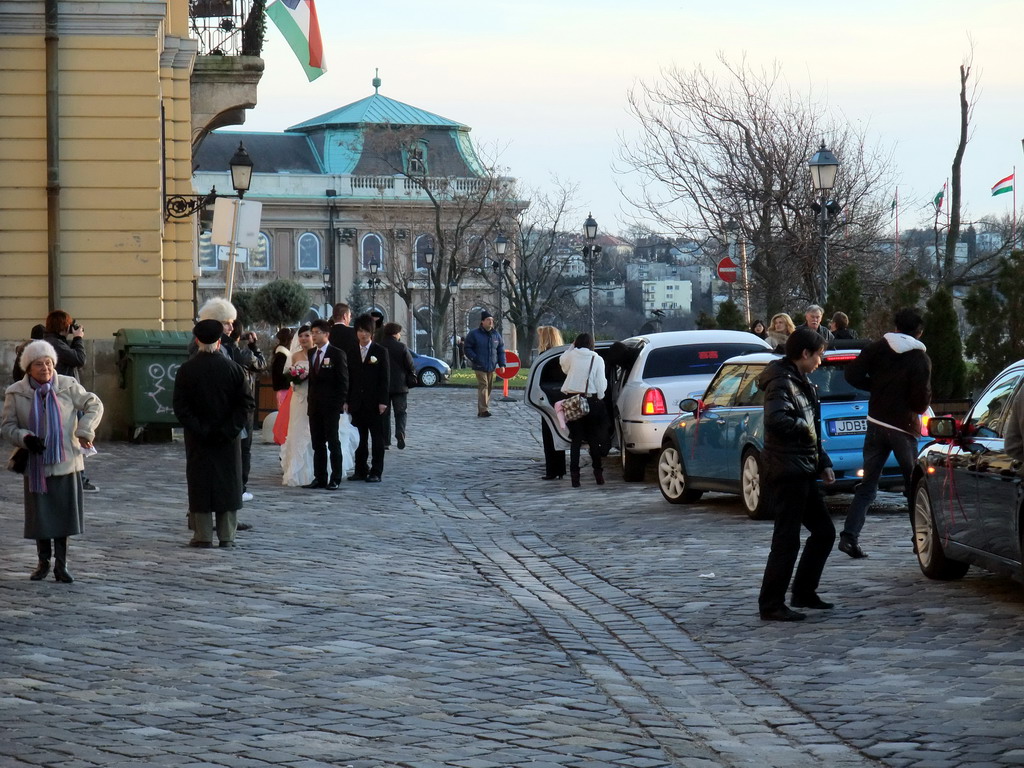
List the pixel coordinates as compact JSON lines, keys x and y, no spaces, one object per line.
{"x":75,"y":326}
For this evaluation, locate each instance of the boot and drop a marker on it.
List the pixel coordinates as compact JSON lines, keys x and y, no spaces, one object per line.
{"x":599,"y":476}
{"x":43,"y":568}
{"x":575,"y":476}
{"x":60,"y":564}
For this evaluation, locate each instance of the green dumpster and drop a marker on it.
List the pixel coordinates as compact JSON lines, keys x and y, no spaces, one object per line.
{"x":147,"y":362}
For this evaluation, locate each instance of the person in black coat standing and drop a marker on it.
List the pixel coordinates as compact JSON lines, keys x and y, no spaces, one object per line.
{"x":328,"y":391}
{"x":403,"y":373}
{"x":368,"y":401}
{"x":793,"y":461}
{"x":212,"y":402}
{"x":343,"y":335}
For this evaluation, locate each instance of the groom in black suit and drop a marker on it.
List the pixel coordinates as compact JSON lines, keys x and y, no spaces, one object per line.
{"x":368,"y":400}
{"x":328,"y":391}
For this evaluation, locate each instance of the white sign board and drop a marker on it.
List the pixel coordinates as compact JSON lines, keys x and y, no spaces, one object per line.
{"x":241,"y":216}
{"x":241,"y":254}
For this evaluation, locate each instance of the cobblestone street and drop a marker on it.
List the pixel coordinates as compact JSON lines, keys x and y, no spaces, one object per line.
{"x":465,"y":613}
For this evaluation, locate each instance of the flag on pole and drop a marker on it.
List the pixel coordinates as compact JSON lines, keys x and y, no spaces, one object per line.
{"x":895,"y":202}
{"x":298,"y":23}
{"x":937,"y":201}
{"x":1003,"y":185}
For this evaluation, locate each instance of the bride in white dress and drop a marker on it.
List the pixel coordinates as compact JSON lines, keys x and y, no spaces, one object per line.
{"x":297,"y":451}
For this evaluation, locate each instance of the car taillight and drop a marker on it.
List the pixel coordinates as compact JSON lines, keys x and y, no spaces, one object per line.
{"x":654,"y":403}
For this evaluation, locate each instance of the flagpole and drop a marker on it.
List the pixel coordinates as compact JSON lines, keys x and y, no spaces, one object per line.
{"x":945,"y":188}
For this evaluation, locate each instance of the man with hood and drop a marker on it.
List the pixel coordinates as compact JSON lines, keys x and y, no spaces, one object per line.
{"x":793,"y":461}
{"x":897,"y":373}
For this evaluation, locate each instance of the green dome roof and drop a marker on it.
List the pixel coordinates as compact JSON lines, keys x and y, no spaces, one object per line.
{"x":376,"y":110}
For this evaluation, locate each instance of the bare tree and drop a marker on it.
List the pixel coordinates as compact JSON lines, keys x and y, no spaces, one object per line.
{"x":735,"y":147}
{"x":462,"y":214}
{"x":535,"y":274}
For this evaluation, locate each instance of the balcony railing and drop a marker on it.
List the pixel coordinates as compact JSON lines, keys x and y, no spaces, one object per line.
{"x":228,"y":27}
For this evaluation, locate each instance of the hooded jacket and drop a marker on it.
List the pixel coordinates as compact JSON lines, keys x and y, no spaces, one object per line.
{"x":897,"y":373}
{"x":792,"y":438}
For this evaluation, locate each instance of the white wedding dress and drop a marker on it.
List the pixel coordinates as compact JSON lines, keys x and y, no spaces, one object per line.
{"x":297,"y":451}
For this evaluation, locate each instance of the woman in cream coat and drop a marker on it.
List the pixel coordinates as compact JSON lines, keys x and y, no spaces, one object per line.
{"x":54,"y":418}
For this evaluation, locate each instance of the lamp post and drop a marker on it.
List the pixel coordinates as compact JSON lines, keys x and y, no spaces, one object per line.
{"x":428,"y":257}
{"x":453,"y":290}
{"x":590,"y":253}
{"x":373,"y":284}
{"x":823,"y":166}
{"x":241,"y":178}
{"x":500,"y":246}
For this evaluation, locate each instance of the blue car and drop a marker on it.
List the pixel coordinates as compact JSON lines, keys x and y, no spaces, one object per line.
{"x":716,"y":444}
{"x":430,"y":371}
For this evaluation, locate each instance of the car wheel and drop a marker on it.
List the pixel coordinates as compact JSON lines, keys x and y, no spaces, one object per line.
{"x":930,"y":556}
{"x":672,"y":478}
{"x":634,"y":466}
{"x":429,"y":377}
{"x":750,"y":486}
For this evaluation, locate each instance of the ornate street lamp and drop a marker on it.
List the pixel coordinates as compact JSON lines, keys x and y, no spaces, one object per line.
{"x":823,"y":166}
{"x":428,"y":257}
{"x":453,"y":290}
{"x":374,"y":280}
{"x":500,"y":264}
{"x":590,"y":254}
{"x":183,"y":206}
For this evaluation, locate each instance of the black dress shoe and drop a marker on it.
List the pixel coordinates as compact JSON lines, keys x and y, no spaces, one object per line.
{"x":41,"y":571}
{"x":782,"y":614}
{"x":333,"y":485}
{"x":552,"y":477}
{"x":373,"y":478}
{"x":852,"y":548}
{"x":357,"y":476}
{"x":243,"y":527}
{"x":315,"y":484}
{"x":200,"y":544}
{"x":401,"y":443}
{"x":811,"y":601}
{"x":60,"y":573}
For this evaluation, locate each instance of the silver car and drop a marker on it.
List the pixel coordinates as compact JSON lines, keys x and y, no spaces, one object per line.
{"x":648,"y":376}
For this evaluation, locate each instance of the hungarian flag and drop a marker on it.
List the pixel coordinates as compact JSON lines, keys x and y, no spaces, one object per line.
{"x":1003,"y":185}
{"x":937,"y":201}
{"x":298,"y":23}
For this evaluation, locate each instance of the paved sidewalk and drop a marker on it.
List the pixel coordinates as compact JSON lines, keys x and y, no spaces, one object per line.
{"x":465,"y":613}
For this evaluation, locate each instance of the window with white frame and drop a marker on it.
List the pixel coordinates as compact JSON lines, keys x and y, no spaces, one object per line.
{"x":372,"y":251}
{"x":308,"y":255}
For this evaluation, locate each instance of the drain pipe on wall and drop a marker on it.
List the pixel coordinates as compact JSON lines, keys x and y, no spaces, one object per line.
{"x":52,"y":158}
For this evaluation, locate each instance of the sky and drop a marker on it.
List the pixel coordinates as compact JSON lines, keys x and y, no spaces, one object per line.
{"x":544,"y":84}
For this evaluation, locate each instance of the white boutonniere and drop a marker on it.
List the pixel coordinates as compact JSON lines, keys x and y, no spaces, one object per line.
{"x":326,"y":363}
{"x":373,"y":359}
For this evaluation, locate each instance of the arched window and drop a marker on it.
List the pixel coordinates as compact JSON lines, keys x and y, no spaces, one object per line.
{"x":424,"y":243}
{"x":308,"y":253}
{"x":421,"y":338}
{"x":259,"y":257}
{"x":372,"y":250}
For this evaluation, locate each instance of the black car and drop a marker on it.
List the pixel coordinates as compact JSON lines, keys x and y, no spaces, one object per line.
{"x":966,"y":503}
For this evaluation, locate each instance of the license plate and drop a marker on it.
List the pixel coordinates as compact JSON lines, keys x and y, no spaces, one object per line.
{"x":847,"y":427}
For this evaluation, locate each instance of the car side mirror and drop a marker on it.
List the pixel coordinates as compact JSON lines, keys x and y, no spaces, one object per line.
{"x":689,"y":405}
{"x":942,"y":427}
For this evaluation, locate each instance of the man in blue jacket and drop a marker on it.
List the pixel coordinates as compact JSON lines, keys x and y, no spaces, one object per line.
{"x":485,"y":350}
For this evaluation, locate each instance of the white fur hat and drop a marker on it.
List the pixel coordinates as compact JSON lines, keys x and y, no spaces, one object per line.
{"x":34,"y":351}
{"x":218,"y":308}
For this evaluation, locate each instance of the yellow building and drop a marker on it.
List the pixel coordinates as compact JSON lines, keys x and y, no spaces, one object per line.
{"x":96,"y":130}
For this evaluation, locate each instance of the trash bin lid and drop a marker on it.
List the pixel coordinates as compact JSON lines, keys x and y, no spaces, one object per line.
{"x":151,"y":339}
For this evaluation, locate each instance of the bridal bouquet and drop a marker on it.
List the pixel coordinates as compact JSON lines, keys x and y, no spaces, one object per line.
{"x":297,"y":374}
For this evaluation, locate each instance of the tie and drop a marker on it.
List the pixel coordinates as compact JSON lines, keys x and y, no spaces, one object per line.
{"x":363,"y":351}
{"x":316,"y":361}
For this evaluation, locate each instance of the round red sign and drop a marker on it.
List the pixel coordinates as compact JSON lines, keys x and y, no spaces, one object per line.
{"x":511,"y":366}
{"x":728,"y":270}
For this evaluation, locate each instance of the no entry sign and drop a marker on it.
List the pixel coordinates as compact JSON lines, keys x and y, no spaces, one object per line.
{"x":511,"y":366}
{"x":728,"y":270}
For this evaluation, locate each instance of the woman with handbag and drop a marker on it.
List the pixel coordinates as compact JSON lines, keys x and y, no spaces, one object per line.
{"x":549,"y":337}
{"x":53,"y":417}
{"x":584,"y":387}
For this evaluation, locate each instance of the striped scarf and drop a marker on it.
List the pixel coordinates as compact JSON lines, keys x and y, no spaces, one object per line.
{"x":45,"y":422}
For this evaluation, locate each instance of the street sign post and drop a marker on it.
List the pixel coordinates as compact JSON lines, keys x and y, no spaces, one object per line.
{"x":512,"y":366}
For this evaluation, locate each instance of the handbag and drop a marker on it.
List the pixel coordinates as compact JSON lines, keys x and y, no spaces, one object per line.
{"x":575,"y":407}
{"x":18,"y":462}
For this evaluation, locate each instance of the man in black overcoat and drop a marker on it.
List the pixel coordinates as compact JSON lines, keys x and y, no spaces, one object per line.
{"x":212,"y":401}
{"x":328,"y":389}
{"x":343,"y":335}
{"x":368,"y":400}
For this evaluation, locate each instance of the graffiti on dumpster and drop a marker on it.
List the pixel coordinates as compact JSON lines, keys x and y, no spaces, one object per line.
{"x":161,"y":384}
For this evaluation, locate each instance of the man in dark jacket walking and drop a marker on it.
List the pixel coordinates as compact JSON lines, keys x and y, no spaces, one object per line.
{"x":897,"y":373}
{"x":403,"y":373}
{"x":793,"y":460}
{"x":485,"y":350}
